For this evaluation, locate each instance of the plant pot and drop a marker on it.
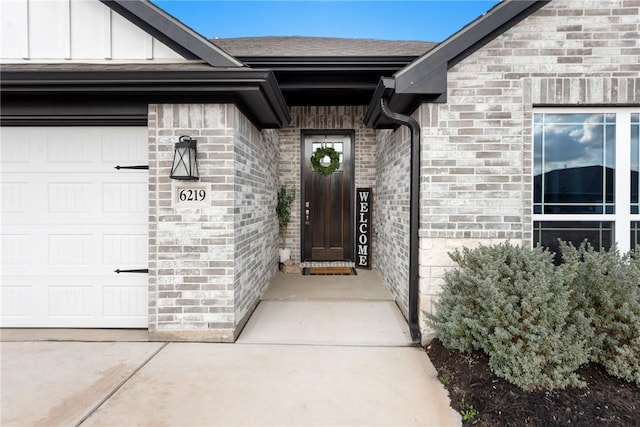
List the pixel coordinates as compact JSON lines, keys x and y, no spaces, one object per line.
{"x":284,"y":254}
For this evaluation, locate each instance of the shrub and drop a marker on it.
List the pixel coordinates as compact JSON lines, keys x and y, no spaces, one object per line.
{"x":459,"y":306}
{"x":285,"y":199}
{"x":606,"y":289}
{"x":513,"y":304}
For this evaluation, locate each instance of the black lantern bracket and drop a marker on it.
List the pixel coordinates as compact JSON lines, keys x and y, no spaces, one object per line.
{"x":185,"y":167}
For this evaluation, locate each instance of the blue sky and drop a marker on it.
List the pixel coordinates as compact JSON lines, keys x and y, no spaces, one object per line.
{"x":432,"y":20}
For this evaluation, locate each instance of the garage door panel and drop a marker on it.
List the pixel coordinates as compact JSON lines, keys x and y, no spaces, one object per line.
{"x":22,"y":297}
{"x":69,"y":219}
{"x":17,"y":302}
{"x":22,"y":252}
{"x":82,"y":301}
{"x":125,"y":302}
{"x":15,"y":148}
{"x":73,"y":146}
{"x":30,"y":199}
{"x":70,"y":302}
{"x":16,"y":249}
{"x":15,"y":197}
{"x":124,"y":198}
{"x":121,"y":147}
{"x":74,"y":249}
{"x":81,"y":149}
{"x":71,"y":198}
{"x":125,"y":250}
{"x":71,"y":250}
{"x":66,"y":253}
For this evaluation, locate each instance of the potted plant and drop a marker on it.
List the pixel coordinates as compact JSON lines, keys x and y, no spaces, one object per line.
{"x":283,"y":210}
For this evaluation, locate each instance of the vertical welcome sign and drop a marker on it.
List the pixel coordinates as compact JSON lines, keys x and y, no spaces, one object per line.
{"x":363,"y":228}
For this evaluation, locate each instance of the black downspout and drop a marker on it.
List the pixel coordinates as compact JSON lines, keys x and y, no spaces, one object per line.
{"x":414,"y":216}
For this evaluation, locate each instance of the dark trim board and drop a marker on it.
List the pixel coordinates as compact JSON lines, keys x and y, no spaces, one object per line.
{"x":418,"y":77}
{"x":52,"y":112}
{"x":73,"y":121}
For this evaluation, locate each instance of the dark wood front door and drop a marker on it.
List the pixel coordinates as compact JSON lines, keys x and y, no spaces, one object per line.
{"x":327,"y":201}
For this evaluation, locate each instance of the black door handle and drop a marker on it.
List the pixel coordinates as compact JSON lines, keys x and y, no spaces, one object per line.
{"x":140,"y":270}
{"x":132,"y":167}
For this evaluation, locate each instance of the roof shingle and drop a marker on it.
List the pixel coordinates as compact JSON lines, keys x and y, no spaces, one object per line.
{"x":295,"y":46}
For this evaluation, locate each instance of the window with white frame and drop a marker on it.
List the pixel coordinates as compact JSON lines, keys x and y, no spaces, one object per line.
{"x":585,"y":177}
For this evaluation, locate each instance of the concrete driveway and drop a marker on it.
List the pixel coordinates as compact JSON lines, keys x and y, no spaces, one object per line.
{"x":299,"y":362}
{"x":60,"y":383}
{"x":182,"y":384}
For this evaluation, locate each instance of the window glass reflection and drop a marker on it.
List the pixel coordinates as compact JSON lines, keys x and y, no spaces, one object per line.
{"x":574,"y":163}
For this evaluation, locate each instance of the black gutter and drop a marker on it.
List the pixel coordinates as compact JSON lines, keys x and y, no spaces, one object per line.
{"x":255,"y":92}
{"x":425,"y":80}
{"x":401,"y":102}
{"x":414,"y":216}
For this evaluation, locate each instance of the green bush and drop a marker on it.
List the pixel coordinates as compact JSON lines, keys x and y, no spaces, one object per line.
{"x":606,"y":289}
{"x":513,"y":304}
{"x":537,"y":322}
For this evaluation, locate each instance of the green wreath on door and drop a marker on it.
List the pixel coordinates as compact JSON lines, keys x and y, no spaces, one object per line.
{"x":321,"y":153}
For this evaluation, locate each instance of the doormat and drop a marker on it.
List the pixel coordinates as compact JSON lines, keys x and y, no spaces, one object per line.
{"x":329,"y":271}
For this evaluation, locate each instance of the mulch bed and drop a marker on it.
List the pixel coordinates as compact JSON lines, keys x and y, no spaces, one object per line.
{"x":606,"y":401}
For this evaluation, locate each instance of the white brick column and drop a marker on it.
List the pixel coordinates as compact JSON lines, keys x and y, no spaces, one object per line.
{"x":207,"y":267}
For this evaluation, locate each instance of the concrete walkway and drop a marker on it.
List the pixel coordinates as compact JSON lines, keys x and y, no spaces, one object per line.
{"x":306,"y":358}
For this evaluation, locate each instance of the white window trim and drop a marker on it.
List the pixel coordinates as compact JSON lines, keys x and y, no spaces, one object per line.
{"x":622,"y":217}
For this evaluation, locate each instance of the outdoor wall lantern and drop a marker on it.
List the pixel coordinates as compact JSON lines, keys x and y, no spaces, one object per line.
{"x":184,"y":160}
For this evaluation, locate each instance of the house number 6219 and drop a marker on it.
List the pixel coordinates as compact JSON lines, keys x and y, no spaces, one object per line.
{"x":192,"y":195}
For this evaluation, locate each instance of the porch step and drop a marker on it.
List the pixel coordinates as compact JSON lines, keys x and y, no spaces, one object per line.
{"x":342,"y":323}
{"x":367,"y":286}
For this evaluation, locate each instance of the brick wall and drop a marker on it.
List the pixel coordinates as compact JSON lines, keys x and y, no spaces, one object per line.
{"x":323,"y":117}
{"x":477,"y":148}
{"x":255,"y":229}
{"x":391,"y":212}
{"x":197,"y":288}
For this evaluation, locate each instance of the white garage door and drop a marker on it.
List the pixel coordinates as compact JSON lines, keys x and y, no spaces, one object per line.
{"x":69,"y":219}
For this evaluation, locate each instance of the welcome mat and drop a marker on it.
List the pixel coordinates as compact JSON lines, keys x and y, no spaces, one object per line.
{"x":329,"y":271}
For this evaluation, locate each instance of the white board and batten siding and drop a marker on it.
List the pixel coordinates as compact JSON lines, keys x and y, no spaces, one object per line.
{"x":69,"y":219}
{"x":74,"y":30}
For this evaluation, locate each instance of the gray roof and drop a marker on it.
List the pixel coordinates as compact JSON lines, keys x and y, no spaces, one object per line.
{"x":293,"y":46}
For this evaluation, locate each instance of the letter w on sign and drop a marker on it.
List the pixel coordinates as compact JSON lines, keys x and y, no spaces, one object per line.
{"x":363,"y":228}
